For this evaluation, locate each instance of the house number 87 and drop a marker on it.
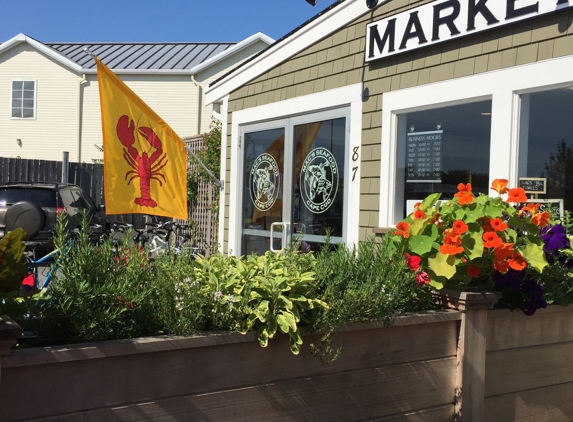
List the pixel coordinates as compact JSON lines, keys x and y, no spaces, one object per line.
{"x":355,"y":157}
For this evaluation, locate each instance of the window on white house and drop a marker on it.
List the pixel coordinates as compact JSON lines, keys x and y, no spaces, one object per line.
{"x":23,"y":99}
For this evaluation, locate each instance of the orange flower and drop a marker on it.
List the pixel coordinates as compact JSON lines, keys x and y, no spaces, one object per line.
{"x":541,"y":219}
{"x":531,"y":208}
{"x":465,"y":195}
{"x":516,"y":195}
{"x":501,"y":265}
{"x":498,"y":225}
{"x":419,"y":214}
{"x":434,"y":219}
{"x":491,"y":240}
{"x":517,"y":262}
{"x":460,"y":227}
{"x":499,"y":185}
{"x":474,"y":271}
{"x":486,"y":226}
{"x":402,"y":229}
{"x":503,"y":251}
{"x":451,"y":245}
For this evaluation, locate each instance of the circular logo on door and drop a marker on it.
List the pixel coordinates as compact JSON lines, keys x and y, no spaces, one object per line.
{"x":264,"y":182}
{"x":319,"y":180}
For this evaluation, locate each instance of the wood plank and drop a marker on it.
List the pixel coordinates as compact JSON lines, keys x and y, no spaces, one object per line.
{"x":553,"y":403}
{"x":349,"y":396}
{"x":508,"y":330}
{"x":186,"y":370}
{"x":510,"y":371}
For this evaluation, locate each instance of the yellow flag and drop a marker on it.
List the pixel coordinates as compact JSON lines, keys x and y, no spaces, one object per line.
{"x":145,"y":162}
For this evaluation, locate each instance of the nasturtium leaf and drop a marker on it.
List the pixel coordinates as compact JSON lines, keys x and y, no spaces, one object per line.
{"x":534,"y":256}
{"x":443,"y":265}
{"x":481,"y":199}
{"x":473,"y":244}
{"x":473,"y":214}
{"x":493,"y":211}
{"x":436,"y":284}
{"x":512,"y":234}
{"x":418,"y":226}
{"x":431,"y":200}
{"x":460,"y":214}
{"x":420,"y":245}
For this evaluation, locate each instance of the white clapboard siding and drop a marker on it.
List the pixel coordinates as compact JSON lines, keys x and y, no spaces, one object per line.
{"x":55,"y":128}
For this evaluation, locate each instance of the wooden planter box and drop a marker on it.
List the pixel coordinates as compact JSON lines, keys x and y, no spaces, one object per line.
{"x":405,"y":372}
{"x":468,"y":365}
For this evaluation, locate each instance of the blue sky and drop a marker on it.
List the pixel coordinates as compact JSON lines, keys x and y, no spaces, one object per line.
{"x":153,"y":20}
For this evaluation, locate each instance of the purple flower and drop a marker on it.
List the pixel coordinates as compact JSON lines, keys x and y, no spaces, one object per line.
{"x":511,"y":279}
{"x":534,"y":292}
{"x":554,"y":238}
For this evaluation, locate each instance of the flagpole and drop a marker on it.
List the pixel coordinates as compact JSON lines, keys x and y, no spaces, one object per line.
{"x":211,"y":175}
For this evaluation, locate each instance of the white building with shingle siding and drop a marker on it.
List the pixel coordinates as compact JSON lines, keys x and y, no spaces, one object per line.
{"x":51,"y":96}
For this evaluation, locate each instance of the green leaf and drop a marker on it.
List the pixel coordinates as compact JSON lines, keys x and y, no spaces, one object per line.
{"x":418,"y":226}
{"x":473,"y":244}
{"x":421,"y":244}
{"x":431,"y":200}
{"x":493,"y":211}
{"x":283,"y":323}
{"x":443,"y":265}
{"x":262,"y":310}
{"x":290,"y":319}
{"x":473,"y":214}
{"x":263,"y":337}
{"x":271,"y":325}
{"x":534,"y":256}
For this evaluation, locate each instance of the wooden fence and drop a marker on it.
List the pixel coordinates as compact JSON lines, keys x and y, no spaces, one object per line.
{"x":90,"y":178}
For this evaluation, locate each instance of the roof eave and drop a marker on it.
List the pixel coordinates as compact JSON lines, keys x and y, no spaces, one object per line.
{"x":21,"y":38}
{"x":259,"y":36}
{"x":321,"y":27}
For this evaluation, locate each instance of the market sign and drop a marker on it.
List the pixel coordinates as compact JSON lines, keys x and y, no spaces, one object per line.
{"x":444,"y":20}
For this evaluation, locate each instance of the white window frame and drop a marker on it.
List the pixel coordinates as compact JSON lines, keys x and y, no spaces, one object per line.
{"x":297,"y":108}
{"x":503,"y":87}
{"x":35,"y":98}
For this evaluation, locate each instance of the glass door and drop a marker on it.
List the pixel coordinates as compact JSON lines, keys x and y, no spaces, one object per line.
{"x":294,"y":182}
{"x":263,"y":190}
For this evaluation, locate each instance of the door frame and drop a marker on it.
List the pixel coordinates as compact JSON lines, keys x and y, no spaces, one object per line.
{"x":349,"y":96}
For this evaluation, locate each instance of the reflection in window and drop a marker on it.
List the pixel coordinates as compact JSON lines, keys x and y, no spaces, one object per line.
{"x":440,"y":148}
{"x":546,"y":141}
{"x":318,"y":205}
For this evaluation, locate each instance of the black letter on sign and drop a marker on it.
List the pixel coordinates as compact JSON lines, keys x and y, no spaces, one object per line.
{"x":514,"y":13}
{"x":418,"y":33}
{"x":381,"y":42}
{"x":562,"y":1}
{"x":481,"y":8}
{"x":445,"y":20}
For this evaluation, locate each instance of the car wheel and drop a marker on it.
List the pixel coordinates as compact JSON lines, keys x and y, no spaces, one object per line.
{"x":26,"y":215}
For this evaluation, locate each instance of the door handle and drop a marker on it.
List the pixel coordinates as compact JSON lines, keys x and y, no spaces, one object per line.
{"x":283,"y":237}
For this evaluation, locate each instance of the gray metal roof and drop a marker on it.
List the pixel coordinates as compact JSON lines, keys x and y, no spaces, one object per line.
{"x":141,"y":56}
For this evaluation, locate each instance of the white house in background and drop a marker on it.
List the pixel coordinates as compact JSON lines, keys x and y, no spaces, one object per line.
{"x":50,"y":97}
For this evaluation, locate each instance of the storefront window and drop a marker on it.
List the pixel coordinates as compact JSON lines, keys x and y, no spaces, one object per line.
{"x":440,"y":148}
{"x":546,"y":143}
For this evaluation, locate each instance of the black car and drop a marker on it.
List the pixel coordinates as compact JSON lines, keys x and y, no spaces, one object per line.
{"x":34,"y":206}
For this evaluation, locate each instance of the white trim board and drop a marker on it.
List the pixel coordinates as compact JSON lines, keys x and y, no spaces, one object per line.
{"x":346,"y":96}
{"x":503,"y":87}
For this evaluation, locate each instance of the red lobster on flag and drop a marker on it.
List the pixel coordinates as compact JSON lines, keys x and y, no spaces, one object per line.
{"x":145,"y":167}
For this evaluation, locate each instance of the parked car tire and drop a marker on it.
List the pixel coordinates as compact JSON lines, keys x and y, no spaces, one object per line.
{"x":26,"y":215}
